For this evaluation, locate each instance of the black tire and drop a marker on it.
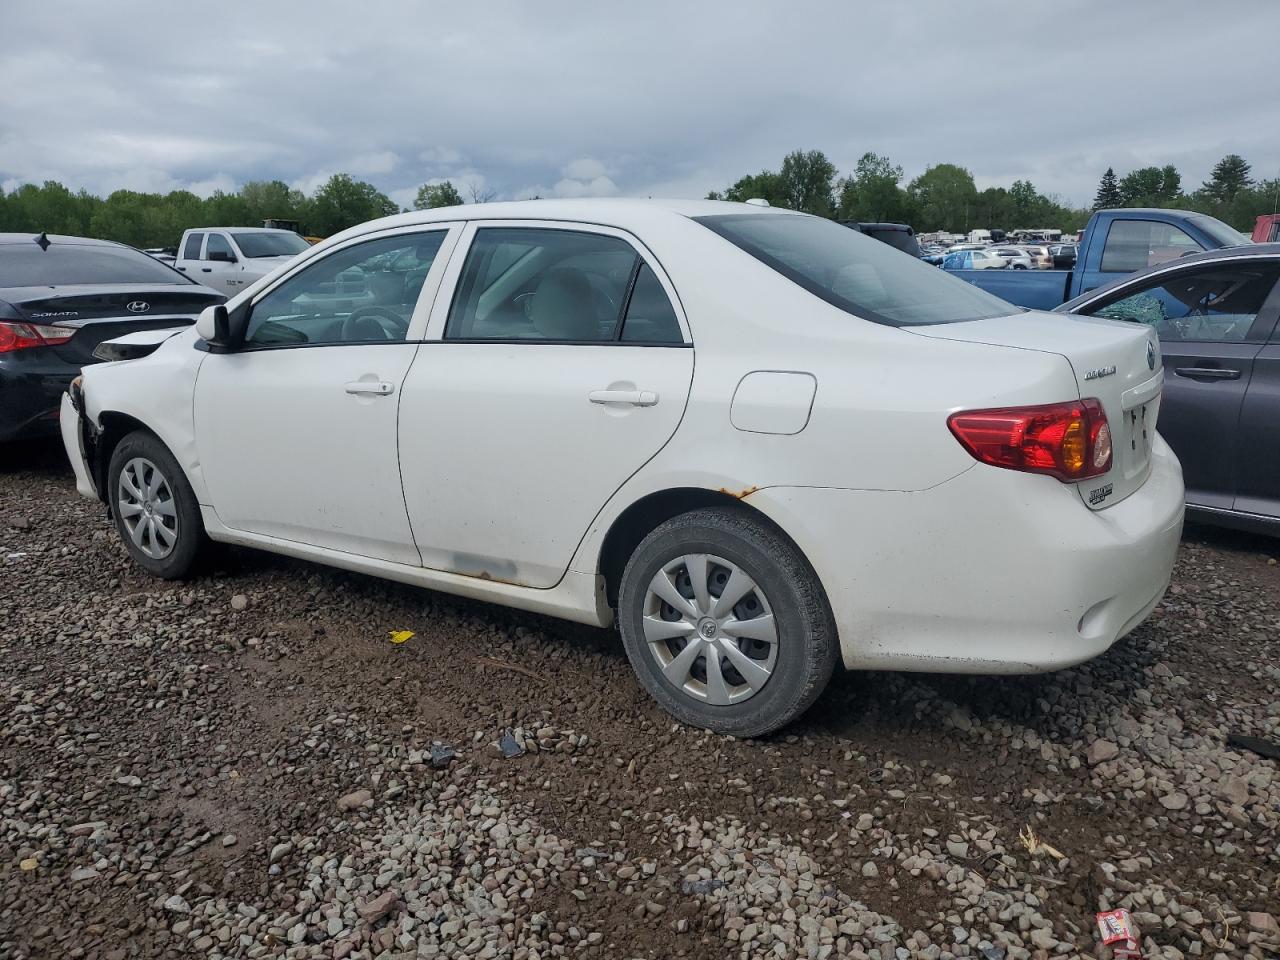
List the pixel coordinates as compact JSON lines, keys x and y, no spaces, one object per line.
{"x":806,"y":643}
{"x":190,"y":540}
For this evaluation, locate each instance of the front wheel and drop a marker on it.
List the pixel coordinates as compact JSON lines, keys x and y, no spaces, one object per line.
{"x":725,"y":623}
{"x":154,"y":508}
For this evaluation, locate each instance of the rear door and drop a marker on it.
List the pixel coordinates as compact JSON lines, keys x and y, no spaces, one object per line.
{"x":1258,"y":452}
{"x":557,"y":367}
{"x":1212,"y":320}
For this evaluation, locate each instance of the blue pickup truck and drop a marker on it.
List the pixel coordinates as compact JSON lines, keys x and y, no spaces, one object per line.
{"x":1115,"y":242}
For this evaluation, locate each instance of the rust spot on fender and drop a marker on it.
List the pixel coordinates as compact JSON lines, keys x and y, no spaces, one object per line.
{"x":739,"y":494}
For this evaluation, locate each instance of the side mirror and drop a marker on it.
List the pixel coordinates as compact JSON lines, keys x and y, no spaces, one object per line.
{"x":222,"y":256}
{"x":222,"y":330}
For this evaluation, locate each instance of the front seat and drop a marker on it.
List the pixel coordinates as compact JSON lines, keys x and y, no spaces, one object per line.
{"x":563,"y":306}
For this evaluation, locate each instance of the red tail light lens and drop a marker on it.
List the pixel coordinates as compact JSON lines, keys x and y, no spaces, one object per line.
{"x":1070,"y":441}
{"x":19,"y":336}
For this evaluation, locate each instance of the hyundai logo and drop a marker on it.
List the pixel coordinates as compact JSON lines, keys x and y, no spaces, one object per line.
{"x":1151,"y":355}
{"x":138,"y":306}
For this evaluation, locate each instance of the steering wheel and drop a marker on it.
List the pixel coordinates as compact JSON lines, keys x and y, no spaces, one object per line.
{"x":364,"y":324}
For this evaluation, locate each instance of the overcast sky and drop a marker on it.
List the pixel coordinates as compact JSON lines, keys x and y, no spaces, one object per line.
{"x":647,"y":98}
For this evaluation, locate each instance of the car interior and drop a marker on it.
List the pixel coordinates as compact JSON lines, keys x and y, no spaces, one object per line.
{"x":1216,"y":305}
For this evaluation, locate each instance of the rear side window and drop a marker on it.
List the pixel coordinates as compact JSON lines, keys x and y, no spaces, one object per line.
{"x":1134,"y":245}
{"x":191,"y":249}
{"x":26,"y":265}
{"x":537,"y":284}
{"x":861,"y":276}
{"x":650,"y":316}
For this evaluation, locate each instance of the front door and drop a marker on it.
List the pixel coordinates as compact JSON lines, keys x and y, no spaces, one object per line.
{"x":296,"y":432}
{"x":1212,"y":320}
{"x":558,"y":368}
{"x":219,"y":268}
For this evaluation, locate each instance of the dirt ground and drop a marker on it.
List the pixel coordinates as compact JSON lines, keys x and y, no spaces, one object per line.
{"x":242,"y":765}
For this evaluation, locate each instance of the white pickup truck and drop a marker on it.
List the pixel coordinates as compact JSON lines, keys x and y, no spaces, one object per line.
{"x":230,"y":258}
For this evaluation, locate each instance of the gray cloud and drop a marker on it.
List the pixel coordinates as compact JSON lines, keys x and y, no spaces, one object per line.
{"x":661,"y":98}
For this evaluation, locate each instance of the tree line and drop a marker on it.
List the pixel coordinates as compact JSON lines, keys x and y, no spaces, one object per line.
{"x":945,"y":196}
{"x":158,"y":220}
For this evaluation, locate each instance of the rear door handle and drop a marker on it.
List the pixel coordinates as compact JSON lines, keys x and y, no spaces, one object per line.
{"x":636,"y":398}
{"x":378,"y":388}
{"x":206,"y":269}
{"x":1207,"y":373}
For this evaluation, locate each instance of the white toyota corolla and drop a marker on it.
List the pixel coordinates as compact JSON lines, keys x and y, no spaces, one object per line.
{"x":759,"y":442}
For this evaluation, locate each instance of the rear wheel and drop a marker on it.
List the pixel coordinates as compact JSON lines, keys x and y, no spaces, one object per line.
{"x":154,"y":508}
{"x":725,"y":623}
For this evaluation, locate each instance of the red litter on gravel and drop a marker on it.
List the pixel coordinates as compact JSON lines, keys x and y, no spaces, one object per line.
{"x":1120,"y":933}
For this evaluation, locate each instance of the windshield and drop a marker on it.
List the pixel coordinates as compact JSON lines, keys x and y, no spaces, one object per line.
{"x":859,"y":275}
{"x":282,"y":244}
{"x":62,"y":264}
{"x":1223,"y":234}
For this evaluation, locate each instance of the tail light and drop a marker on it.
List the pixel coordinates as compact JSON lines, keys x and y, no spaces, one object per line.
{"x":1070,"y":441}
{"x":19,"y":336}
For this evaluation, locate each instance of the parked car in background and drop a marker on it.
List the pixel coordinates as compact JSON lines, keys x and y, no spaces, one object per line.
{"x":231,"y":258}
{"x":163,"y":254}
{"x":1014,"y":257}
{"x":933,"y":254}
{"x":860,"y":424}
{"x":1116,"y":243}
{"x":1216,"y":316}
{"x":1041,"y":258}
{"x":900,"y":236}
{"x":971,"y":259}
{"x":1063,"y":256}
{"x":60,"y":297}
{"x":1267,"y":228}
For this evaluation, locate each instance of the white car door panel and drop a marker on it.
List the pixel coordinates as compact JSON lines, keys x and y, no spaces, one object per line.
{"x":508,"y":451}
{"x":511,"y":442}
{"x":297,"y":437}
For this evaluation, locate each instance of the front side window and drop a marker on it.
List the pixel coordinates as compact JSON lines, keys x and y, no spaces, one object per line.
{"x":855,"y":273}
{"x":542,"y":284}
{"x":1134,"y":245}
{"x":1213,"y":304}
{"x":218,"y":248}
{"x":361,"y":294}
{"x":191,"y":249}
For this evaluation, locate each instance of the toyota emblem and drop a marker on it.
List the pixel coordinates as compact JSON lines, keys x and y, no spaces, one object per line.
{"x":1151,"y":355}
{"x":139,"y":306}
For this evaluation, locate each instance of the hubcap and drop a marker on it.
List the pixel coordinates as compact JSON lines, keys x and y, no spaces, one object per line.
{"x":147,"y":510}
{"x":710,"y":629}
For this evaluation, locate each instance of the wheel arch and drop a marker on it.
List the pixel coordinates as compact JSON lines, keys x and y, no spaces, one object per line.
{"x":113,"y":426}
{"x":639,"y":519}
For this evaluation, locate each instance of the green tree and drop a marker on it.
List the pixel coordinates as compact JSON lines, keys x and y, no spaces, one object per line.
{"x":946,"y":197}
{"x":432,"y":195}
{"x":1151,"y":187}
{"x":343,"y":202}
{"x":873,"y":193}
{"x":806,"y":180}
{"x":765,"y":185}
{"x":271,"y":200}
{"x":1230,"y":176}
{"x":1108,"y":194}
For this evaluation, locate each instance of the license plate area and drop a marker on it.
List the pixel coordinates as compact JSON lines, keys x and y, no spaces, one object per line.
{"x":1138,"y":437}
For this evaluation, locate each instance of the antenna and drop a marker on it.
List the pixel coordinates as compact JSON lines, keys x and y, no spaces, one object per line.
{"x":43,"y":240}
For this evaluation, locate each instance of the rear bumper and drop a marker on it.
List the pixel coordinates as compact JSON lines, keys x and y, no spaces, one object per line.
{"x":991,"y":572}
{"x":30,"y":388}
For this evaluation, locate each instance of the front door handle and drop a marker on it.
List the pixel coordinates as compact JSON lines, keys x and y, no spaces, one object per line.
{"x":206,"y":269}
{"x":1207,"y":373}
{"x":378,"y":388}
{"x":636,"y":398}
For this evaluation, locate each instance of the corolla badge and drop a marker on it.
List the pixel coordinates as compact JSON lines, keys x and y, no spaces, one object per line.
{"x":1098,"y":373}
{"x":1151,"y":355}
{"x":138,"y":306}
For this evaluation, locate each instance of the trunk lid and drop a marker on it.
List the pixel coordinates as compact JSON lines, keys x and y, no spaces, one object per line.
{"x":103,"y":312}
{"x":1115,"y":362}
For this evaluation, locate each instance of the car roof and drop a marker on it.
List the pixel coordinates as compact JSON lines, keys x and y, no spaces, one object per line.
{"x":57,"y":238}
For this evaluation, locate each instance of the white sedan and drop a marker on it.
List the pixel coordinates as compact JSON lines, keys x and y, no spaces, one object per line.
{"x":760,"y":443}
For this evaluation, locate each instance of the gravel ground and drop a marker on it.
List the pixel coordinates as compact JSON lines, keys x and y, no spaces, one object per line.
{"x":246,"y":766}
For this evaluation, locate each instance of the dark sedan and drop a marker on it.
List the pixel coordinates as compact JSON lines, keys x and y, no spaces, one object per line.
{"x":1216,"y":314}
{"x":62,"y":296}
